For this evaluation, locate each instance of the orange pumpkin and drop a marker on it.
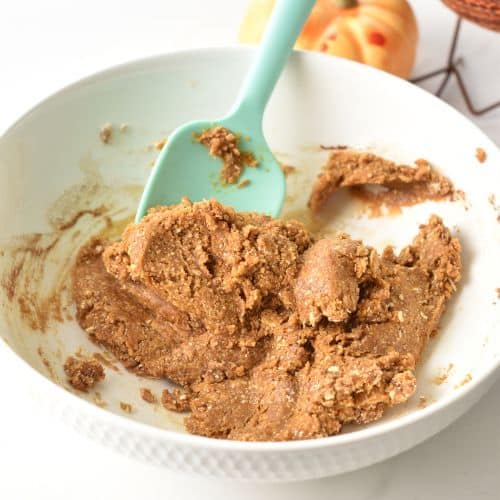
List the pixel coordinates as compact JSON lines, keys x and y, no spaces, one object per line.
{"x":381,"y":33}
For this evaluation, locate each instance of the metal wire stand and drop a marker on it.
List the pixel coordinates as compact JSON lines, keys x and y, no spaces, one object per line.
{"x":452,"y":68}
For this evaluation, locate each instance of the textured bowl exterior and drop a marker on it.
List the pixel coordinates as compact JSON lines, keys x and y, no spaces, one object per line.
{"x":259,"y":462}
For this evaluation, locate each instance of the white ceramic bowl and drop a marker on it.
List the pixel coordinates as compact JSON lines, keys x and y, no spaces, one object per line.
{"x":319,"y":100}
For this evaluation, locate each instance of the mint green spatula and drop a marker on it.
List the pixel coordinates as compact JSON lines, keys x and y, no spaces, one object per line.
{"x":184,"y":167}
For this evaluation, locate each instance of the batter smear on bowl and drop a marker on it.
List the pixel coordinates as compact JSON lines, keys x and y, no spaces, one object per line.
{"x":271,"y":334}
{"x":399,"y":185}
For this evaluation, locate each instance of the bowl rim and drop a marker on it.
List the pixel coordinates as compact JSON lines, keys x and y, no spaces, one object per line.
{"x":366,"y":433}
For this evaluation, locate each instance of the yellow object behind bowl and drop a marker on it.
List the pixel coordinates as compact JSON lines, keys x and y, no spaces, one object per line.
{"x":380,"y":33}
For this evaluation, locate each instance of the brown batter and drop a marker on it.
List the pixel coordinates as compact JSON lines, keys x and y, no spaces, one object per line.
{"x":481,"y":155}
{"x":272,"y":335}
{"x":83,"y":374}
{"x":147,"y":395}
{"x":224,"y":144}
{"x":176,"y":400}
{"x":403,"y":185}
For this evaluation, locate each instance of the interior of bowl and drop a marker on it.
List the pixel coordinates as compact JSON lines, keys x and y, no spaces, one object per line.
{"x":61,"y":185}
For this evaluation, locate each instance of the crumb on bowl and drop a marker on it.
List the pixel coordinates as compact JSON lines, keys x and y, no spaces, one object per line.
{"x":83,"y":374}
{"x":147,"y":395}
{"x":106,"y":133}
{"x":126,"y":407}
{"x":481,"y":155}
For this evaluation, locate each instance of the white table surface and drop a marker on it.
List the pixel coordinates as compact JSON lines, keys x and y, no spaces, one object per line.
{"x":47,"y":44}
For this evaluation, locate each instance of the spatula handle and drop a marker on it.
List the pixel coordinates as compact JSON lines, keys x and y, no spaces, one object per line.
{"x":285,"y":25}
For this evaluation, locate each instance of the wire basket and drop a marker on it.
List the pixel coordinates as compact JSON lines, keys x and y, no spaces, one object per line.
{"x":486,"y":13}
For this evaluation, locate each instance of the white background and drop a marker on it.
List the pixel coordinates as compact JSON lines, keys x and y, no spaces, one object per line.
{"x":47,"y":44}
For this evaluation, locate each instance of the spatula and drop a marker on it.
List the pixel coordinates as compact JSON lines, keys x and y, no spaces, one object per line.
{"x":184,"y":167}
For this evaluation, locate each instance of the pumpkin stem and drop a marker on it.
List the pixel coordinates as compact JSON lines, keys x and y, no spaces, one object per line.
{"x":346,"y":4}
